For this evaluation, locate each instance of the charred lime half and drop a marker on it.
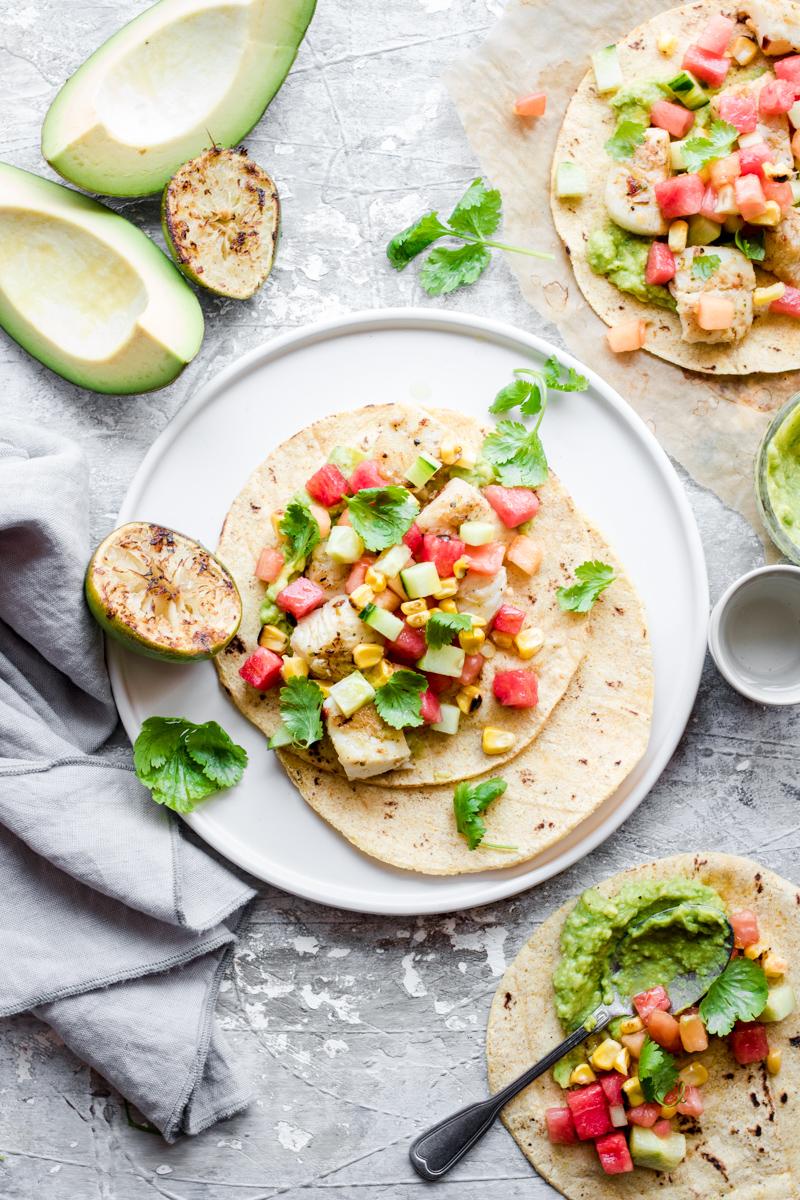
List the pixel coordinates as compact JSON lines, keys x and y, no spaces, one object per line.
{"x":221,"y":215}
{"x":162,"y":594}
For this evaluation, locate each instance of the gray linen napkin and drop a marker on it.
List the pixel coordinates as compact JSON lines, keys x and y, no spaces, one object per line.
{"x":115,"y":928}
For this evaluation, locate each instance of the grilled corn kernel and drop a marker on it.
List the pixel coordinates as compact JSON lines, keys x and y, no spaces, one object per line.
{"x":276,"y":519}
{"x":295,"y":667}
{"x":668,"y":1111}
{"x":678,"y":234}
{"x":633,"y":1090}
{"x":362,"y":596}
{"x":325,"y":688}
{"x":743,"y":51}
{"x":781,"y":172}
{"x":622,"y":1061}
{"x":695,"y":1075}
{"x":450,"y":451}
{"x":771,"y":215}
{"x":762,"y":296}
{"x":582,"y":1074}
{"x":755,"y":951}
{"x":477,"y":622}
{"x":367,"y":654}
{"x":604,"y":1055}
{"x":774,"y":966}
{"x":667,"y":44}
{"x":417,"y":619}
{"x":496,"y":741}
{"x":379,"y":675}
{"x":774,"y":1062}
{"x":460,"y":567}
{"x":272,"y":638}
{"x":488,"y":650}
{"x":448,"y":588}
{"x":375,"y":579}
{"x":471,"y":640}
{"x":414,"y":606}
{"x":529,"y":642}
{"x":631,"y":1025}
{"x":469,"y":699}
{"x":503,"y":640}
{"x":448,"y":605}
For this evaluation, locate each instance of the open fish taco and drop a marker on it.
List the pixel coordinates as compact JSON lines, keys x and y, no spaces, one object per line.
{"x":674,"y":186}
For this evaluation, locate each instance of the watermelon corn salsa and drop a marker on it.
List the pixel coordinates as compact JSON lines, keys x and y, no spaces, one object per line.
{"x":702,"y":186}
{"x":634,"y":1089}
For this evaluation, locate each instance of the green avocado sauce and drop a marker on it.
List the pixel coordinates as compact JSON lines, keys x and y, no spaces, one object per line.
{"x":622,"y":258}
{"x":783,"y":474}
{"x":633,"y":103}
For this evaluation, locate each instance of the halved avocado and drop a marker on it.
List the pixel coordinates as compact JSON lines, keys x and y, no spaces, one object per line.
{"x":220,"y":214}
{"x":87,"y":293}
{"x":162,"y":594}
{"x":182,"y":76}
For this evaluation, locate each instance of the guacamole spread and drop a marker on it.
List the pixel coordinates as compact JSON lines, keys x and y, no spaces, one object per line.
{"x":622,"y":257}
{"x":688,"y":938}
{"x":783,"y":474}
{"x":634,"y":102}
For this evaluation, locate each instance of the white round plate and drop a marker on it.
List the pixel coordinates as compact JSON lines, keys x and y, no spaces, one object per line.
{"x":608,"y":460}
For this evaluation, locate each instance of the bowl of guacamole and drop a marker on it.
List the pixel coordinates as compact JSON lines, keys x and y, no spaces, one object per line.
{"x":778,"y":479}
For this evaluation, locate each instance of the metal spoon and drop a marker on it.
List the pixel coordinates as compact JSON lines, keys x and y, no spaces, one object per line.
{"x":434,"y":1152}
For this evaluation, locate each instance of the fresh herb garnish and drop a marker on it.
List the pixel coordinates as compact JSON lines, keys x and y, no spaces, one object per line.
{"x":751,"y":245}
{"x":381,"y":516}
{"x":182,"y":763}
{"x":593,"y":578}
{"x":718,"y":142}
{"x":300,"y":531}
{"x":658,"y":1072}
{"x":399,"y":701}
{"x":704,"y":265}
{"x":301,"y":709}
{"x":529,"y":388}
{"x":517,"y":454}
{"x":626,"y":137}
{"x":469,"y":801}
{"x":473,"y":220}
{"x":443,"y":626}
{"x":738,"y":994}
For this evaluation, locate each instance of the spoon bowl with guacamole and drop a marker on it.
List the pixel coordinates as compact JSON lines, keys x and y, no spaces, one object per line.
{"x":682,"y":948}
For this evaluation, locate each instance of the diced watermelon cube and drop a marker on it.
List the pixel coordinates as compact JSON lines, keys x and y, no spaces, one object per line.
{"x":647,"y":1002}
{"x":660,"y":263}
{"x":717,"y":34}
{"x":750,"y":198}
{"x":749,"y":1043}
{"x":708,"y":208}
{"x":269,"y":565}
{"x":366,"y":475}
{"x":692,"y":1103}
{"x":488,"y":559}
{"x":740,"y":111}
{"x":513,"y":506}
{"x":508,"y":619}
{"x":408,"y":646}
{"x":438,"y":683}
{"x":470,"y":672}
{"x":789,"y":303}
{"x":745,"y":928}
{"x":662,"y":1128}
{"x":780,"y":192}
{"x":775,"y":97}
{"x":645,"y":1115}
{"x":516,"y":689}
{"x":676,"y":119}
{"x":710,"y":68}
{"x":300,"y":597}
{"x":431,"y":709}
{"x":413,"y":538}
{"x":327,"y":486}
{"x":752,"y":159}
{"x":788,"y":68}
{"x":589,"y":1111}
{"x":560,"y":1126}
{"x":680,"y":196}
{"x":612,"y":1086}
{"x":443,"y":551}
{"x":262,"y":669}
{"x":615,"y":1157}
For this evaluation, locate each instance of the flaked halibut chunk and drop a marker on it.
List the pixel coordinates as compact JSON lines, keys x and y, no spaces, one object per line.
{"x":734,"y":279}
{"x":327,"y":637}
{"x":773,"y":128}
{"x":776,"y":24}
{"x":364,"y":745}
{"x":782,"y":246}
{"x":322,"y":569}
{"x":402,"y":439}
{"x":458,"y":501}
{"x":482,"y":595}
{"x":630,"y":188}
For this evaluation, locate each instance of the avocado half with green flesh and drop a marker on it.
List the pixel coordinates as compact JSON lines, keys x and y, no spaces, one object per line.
{"x":220,"y":214}
{"x":183,"y":76}
{"x":87,"y":293}
{"x":162,"y":594}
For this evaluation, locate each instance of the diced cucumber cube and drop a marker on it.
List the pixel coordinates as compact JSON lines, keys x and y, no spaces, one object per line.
{"x":687,"y":89}
{"x":281,"y":737}
{"x":660,"y":1154}
{"x":607,"y":71}
{"x":677,"y":154}
{"x":392,"y":561}
{"x":795,"y":186}
{"x":780,"y":1003}
{"x":382,"y":621}
{"x":451,"y":715}
{"x":346,"y":459}
{"x":443,"y":660}
{"x":344,"y":545}
{"x":571,"y":181}
{"x":420,"y":580}
{"x":702,"y":231}
{"x":477,"y":533}
{"x":794,"y":115}
{"x":352,"y":693}
{"x":423,"y":469}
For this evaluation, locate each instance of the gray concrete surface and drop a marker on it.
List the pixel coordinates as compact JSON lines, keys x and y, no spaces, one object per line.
{"x":356,"y":1031}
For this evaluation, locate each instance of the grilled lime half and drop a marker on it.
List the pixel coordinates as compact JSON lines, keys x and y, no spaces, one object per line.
{"x":221,"y":215}
{"x":162,"y":594}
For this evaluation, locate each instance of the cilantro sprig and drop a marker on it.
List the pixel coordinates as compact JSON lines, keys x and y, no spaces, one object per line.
{"x":704,"y":265}
{"x":626,"y":137}
{"x":658,"y":1072}
{"x":592,"y":579}
{"x":738,"y":994}
{"x":443,"y":626}
{"x":473,"y":221}
{"x":717,"y":142}
{"x":182,"y":763}
{"x":751,"y":244}
{"x":301,"y":711}
{"x":529,"y":389}
{"x":470,"y":800}
{"x":399,"y":700}
{"x":381,"y":516}
{"x":300,"y":532}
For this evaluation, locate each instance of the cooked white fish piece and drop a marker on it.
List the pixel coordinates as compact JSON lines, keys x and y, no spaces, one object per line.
{"x":776,"y":24}
{"x":400,"y":441}
{"x":459,"y":501}
{"x":482,"y":595}
{"x":365,"y":745}
{"x":782,"y":246}
{"x":323,"y":570}
{"x":327,"y":637}
{"x":774,"y":129}
{"x":734,"y":279}
{"x":630,"y":188}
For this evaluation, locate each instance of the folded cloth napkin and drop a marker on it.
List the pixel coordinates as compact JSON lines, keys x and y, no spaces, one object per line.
{"x":115,"y":928}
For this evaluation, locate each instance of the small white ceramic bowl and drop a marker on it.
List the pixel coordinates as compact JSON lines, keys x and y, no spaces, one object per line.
{"x":754,"y":635}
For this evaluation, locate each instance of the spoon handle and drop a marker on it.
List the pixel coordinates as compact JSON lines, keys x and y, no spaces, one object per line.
{"x":434,"y":1152}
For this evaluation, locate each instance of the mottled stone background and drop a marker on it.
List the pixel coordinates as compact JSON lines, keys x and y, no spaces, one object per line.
{"x":356,"y":1031}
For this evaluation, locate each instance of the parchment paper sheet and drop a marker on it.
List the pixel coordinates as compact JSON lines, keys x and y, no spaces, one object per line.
{"x":712,"y":426}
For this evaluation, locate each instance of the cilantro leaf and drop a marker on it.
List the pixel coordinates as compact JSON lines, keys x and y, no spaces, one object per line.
{"x":299,"y":530}
{"x":301,"y":708}
{"x":448,"y":268}
{"x":751,"y":245}
{"x":380,"y":516}
{"x":627,"y":136}
{"x":469,"y":801}
{"x":443,"y":626}
{"x":593,"y":578}
{"x":478,"y":211}
{"x":182,"y":763}
{"x":513,"y":394}
{"x":553,"y":377}
{"x":406,"y":245}
{"x":658,"y":1072}
{"x":698,"y":151}
{"x":738,"y":994}
{"x":517,"y":455}
{"x":399,"y":700}
{"x":704,"y":265}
